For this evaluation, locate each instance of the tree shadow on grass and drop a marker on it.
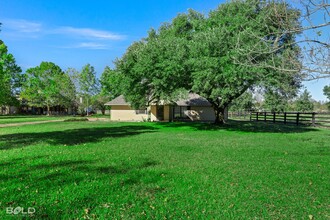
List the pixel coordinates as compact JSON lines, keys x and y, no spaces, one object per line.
{"x":243,"y":126}
{"x":72,"y":136}
{"x":81,"y":176}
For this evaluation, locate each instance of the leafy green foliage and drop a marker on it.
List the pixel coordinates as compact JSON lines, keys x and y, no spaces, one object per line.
{"x":207,"y":55}
{"x":87,"y":80}
{"x":44,"y":85}
{"x":98,"y":102}
{"x":245,"y":102}
{"x":88,"y":85}
{"x":10,"y":77}
{"x":110,"y":83}
{"x":326,"y":92}
{"x":275,"y":101}
{"x":304,"y":102}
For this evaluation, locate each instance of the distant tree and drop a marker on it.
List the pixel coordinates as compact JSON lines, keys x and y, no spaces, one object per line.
{"x":245,"y":102}
{"x":320,"y":106}
{"x":41,"y":85}
{"x":88,"y":84}
{"x":98,"y":102}
{"x":111,"y":83}
{"x":68,"y":92}
{"x":326,"y":92}
{"x":304,"y":103}
{"x":10,"y":77}
{"x":275,"y":101}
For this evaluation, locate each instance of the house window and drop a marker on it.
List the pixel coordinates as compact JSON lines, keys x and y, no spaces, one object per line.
{"x":141,"y":111}
{"x":179,"y":112}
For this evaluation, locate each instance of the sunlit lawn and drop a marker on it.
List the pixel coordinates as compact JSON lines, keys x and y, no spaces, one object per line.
{"x":28,"y":118}
{"x":102,"y":170}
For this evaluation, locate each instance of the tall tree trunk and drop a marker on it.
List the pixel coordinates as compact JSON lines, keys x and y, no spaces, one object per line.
{"x":48,"y":110}
{"x":219,"y":115}
{"x":103,"y":111}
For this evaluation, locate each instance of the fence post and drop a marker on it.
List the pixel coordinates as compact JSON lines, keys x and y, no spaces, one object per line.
{"x":257,"y":116}
{"x":313,"y":119}
{"x":284,"y":117}
{"x":274,"y":116}
{"x":265,"y":119}
{"x":298,"y":118}
{"x":250,"y":116}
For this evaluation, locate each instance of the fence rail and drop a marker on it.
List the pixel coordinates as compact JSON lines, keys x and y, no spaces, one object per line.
{"x":298,"y":118}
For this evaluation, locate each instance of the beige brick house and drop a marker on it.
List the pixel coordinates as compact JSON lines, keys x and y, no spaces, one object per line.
{"x":195,"y":108}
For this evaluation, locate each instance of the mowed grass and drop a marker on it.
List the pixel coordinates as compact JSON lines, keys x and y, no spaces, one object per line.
{"x":12,"y":119}
{"x":102,"y":170}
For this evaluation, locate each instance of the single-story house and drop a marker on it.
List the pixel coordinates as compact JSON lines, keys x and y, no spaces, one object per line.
{"x":195,"y":108}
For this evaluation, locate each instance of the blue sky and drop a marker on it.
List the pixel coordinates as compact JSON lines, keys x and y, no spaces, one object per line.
{"x":72,"y":33}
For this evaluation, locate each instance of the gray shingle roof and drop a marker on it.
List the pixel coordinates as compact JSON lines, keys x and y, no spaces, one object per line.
{"x":120,"y":100}
{"x":193,"y":100}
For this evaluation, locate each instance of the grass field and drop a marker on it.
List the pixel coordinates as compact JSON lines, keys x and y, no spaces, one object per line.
{"x":103,"y":170}
{"x":4,"y":119}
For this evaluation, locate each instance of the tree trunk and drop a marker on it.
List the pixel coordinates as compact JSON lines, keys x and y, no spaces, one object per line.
{"x":48,"y":110}
{"x":103,"y":111}
{"x":219,"y":115}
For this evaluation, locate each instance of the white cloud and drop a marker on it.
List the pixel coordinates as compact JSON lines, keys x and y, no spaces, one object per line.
{"x":21,"y":25}
{"x":89,"y":45}
{"x":89,"y":33}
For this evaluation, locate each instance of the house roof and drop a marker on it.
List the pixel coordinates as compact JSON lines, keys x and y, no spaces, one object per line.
{"x":192,"y":100}
{"x":120,"y":100}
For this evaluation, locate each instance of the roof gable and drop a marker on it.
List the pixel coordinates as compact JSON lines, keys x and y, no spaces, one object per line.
{"x":120,"y":100}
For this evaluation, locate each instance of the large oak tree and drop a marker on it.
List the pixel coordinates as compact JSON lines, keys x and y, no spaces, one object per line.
{"x":206,"y":55}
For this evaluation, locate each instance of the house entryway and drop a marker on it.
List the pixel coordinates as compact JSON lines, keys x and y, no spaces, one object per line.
{"x":160,"y":112}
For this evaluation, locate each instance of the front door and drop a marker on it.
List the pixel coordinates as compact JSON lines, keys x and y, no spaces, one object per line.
{"x":160,"y":112}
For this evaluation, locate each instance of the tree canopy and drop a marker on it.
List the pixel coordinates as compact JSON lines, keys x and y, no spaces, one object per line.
{"x":10,"y":77}
{"x":208,"y":55}
{"x":304,"y":102}
{"x":43,"y":85}
{"x":326,"y":92}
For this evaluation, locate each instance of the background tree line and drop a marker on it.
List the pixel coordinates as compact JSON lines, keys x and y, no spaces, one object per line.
{"x":273,"y":102}
{"x":48,"y":85}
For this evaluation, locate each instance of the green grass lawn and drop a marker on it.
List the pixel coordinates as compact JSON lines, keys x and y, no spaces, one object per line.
{"x":12,"y":119}
{"x":99,"y":116}
{"x":103,"y":170}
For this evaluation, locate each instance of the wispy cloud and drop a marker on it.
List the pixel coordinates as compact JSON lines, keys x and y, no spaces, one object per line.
{"x":84,"y":38}
{"x":88,"y":33}
{"x":22,"y":26}
{"x":88,"y":45}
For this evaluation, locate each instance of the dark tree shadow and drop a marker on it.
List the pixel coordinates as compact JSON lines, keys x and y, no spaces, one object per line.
{"x":49,"y":177}
{"x":72,"y":136}
{"x":243,"y":126}
{"x":74,"y":172}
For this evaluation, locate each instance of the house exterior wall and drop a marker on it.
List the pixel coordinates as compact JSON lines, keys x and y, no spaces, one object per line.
{"x":197,"y":113}
{"x":153,"y":113}
{"x":126,"y":113}
{"x":166,"y":113}
{"x":201,"y":113}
